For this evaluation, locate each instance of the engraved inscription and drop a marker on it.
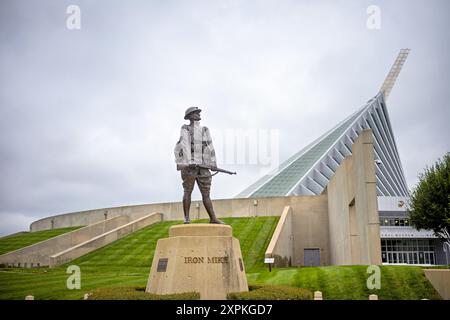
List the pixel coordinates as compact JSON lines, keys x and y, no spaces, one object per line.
{"x":197,"y":260}
{"x":217,"y":259}
{"x":194,"y":259}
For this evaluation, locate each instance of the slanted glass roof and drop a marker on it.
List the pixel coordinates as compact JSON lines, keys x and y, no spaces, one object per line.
{"x":308,"y":171}
{"x":283,"y":181}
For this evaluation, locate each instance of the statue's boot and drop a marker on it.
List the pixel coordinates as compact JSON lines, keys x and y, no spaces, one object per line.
{"x":186,"y":207}
{"x":186,"y":219}
{"x":216,"y":221}
{"x":212,"y":216}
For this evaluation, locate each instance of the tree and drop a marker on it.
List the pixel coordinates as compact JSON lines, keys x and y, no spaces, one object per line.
{"x":430,"y":200}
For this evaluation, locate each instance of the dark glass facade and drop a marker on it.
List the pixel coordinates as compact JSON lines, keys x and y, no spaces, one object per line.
{"x":408,"y":251}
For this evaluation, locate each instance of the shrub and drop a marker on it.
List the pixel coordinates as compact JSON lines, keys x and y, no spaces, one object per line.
{"x":272,"y":293}
{"x":138,"y":293}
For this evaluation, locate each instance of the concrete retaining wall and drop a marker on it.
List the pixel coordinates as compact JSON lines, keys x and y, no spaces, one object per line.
{"x":440,"y":279}
{"x":38,"y":254}
{"x":103,"y":239}
{"x":281,"y":246}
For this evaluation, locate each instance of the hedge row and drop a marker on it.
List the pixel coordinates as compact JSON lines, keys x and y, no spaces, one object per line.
{"x":254,"y":293}
{"x":138,"y":293}
{"x":272,"y":293}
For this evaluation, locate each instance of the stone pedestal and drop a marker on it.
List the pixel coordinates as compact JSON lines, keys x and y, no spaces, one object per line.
{"x":202,"y":258}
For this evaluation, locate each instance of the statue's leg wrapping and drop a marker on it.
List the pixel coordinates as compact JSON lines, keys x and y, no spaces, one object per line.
{"x":188,"y":186}
{"x":186,"y":206}
{"x":204,"y":184}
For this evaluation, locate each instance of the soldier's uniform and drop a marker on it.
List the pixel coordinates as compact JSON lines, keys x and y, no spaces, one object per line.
{"x":195,"y":147}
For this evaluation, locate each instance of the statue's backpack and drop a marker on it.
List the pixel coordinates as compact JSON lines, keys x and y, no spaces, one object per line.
{"x":183,"y":147}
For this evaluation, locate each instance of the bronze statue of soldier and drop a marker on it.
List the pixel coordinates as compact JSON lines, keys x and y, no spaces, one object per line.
{"x":195,"y":157}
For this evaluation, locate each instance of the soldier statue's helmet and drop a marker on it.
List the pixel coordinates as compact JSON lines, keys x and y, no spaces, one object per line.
{"x":191,"y":110}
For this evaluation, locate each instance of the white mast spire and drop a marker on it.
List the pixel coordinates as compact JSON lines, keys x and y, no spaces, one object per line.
{"x":394,"y":72}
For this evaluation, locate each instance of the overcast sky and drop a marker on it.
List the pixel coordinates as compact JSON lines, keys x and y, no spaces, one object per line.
{"x":89,"y":117}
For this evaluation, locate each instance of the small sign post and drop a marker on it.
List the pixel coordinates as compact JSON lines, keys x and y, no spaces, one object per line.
{"x":269,"y":261}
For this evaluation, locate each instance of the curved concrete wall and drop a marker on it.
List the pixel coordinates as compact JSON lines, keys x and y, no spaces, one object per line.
{"x":307,"y":221}
{"x":244,"y":207}
{"x":88,"y":217}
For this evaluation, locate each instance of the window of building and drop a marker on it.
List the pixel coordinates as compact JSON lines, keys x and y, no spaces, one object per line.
{"x":395,"y":222}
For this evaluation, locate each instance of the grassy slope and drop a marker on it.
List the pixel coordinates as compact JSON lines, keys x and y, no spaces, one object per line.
{"x":126,"y":262}
{"x":14,"y":242}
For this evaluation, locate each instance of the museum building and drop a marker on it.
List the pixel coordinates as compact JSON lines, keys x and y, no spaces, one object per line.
{"x":308,"y":172}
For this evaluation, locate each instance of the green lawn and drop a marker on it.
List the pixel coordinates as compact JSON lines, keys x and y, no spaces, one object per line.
{"x":14,"y":242}
{"x":127,"y":262}
{"x":349,"y":282}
